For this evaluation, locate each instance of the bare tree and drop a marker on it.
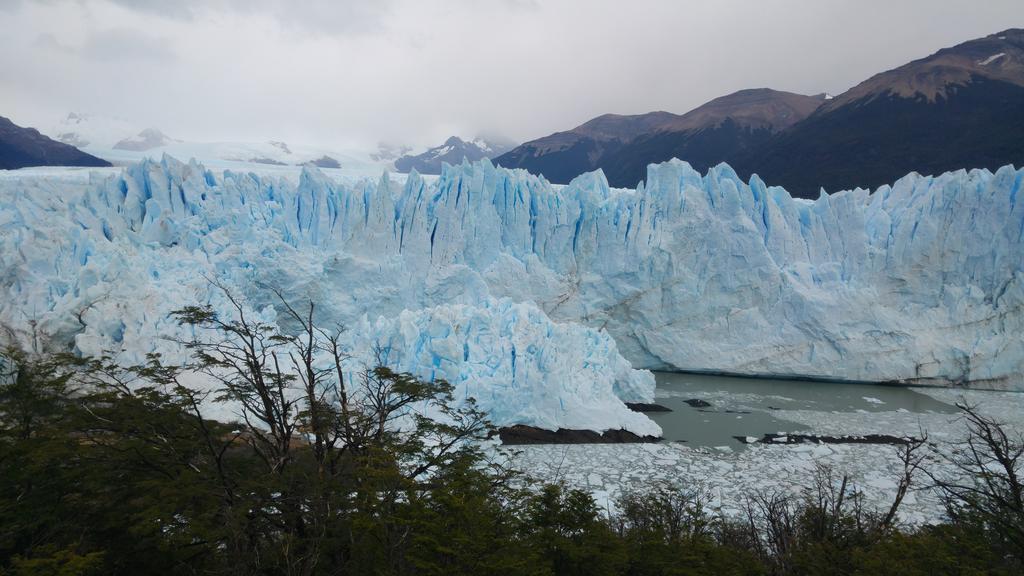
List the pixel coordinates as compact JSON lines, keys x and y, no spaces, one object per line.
{"x":986,"y":489}
{"x":771,"y":527}
{"x":787,"y":532}
{"x":368,"y":438}
{"x":244,"y":356}
{"x":912,"y":458}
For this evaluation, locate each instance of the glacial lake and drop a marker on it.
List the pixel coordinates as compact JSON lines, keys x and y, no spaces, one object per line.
{"x":758,"y":406}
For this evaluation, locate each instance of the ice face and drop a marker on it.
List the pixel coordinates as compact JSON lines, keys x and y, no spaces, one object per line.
{"x":540,"y":301}
{"x":519,"y":365}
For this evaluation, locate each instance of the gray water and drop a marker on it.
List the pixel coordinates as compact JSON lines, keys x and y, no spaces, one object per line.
{"x":749,"y":406}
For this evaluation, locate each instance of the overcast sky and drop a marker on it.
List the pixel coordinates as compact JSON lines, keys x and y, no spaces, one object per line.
{"x":416,"y":71}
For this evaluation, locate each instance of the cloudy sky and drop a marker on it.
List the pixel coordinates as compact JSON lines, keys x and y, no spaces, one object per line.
{"x":415,"y":71}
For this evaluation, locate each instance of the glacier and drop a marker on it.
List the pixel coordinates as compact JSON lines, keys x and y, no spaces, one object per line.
{"x":548,"y":304}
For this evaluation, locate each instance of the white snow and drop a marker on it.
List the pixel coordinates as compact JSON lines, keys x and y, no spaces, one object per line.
{"x":482,"y":144}
{"x":991,"y":59}
{"x":98,"y":134}
{"x":91,"y":131}
{"x":437,"y":153}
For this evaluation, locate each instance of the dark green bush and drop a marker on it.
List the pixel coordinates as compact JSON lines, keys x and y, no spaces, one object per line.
{"x":115,"y":470}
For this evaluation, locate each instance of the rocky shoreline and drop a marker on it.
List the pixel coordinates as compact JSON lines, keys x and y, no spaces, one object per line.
{"x":815,"y":439}
{"x":646,"y":407}
{"x":519,"y":435}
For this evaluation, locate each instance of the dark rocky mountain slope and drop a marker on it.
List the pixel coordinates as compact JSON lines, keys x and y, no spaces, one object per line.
{"x":623,"y":145}
{"x":452,"y":152}
{"x":23,"y":147}
{"x":962,"y":107}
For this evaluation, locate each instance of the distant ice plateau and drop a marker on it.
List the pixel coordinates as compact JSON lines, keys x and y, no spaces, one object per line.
{"x":547,"y":304}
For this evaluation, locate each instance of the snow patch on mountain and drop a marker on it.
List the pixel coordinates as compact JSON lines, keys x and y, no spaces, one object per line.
{"x":991,"y":59}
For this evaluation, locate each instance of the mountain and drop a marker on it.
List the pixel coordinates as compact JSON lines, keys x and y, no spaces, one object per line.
{"x":623,"y":146}
{"x":712,"y":133}
{"x":961,"y":107}
{"x":123,"y":142}
{"x":562,"y":156}
{"x":324,"y":161}
{"x":146,"y":140}
{"x":22,"y":147}
{"x":452,"y":151}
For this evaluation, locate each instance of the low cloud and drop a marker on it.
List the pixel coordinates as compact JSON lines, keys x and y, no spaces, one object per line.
{"x":417,"y":71}
{"x":327,"y":17}
{"x":124,"y":44}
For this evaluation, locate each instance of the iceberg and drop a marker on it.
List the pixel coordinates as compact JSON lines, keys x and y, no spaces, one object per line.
{"x":548,"y":304}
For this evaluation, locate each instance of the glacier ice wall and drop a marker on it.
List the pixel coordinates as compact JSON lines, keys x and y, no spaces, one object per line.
{"x":921,"y":281}
{"x":99,"y":265}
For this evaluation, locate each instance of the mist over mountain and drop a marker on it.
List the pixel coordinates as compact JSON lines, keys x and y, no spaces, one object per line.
{"x":145,"y":140}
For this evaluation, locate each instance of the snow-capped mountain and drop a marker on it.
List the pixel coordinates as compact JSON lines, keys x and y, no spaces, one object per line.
{"x":122,"y":142}
{"x":452,"y":151}
{"x":22,"y":147}
{"x":544,"y":304}
{"x":94,"y":131}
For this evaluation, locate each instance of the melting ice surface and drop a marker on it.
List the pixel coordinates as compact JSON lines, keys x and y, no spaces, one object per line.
{"x":547,"y":304}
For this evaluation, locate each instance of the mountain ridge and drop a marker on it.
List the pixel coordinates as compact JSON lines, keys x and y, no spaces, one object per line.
{"x":960,"y":107}
{"x":623,"y":145}
{"x":452,"y":151}
{"x":22,"y":147}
